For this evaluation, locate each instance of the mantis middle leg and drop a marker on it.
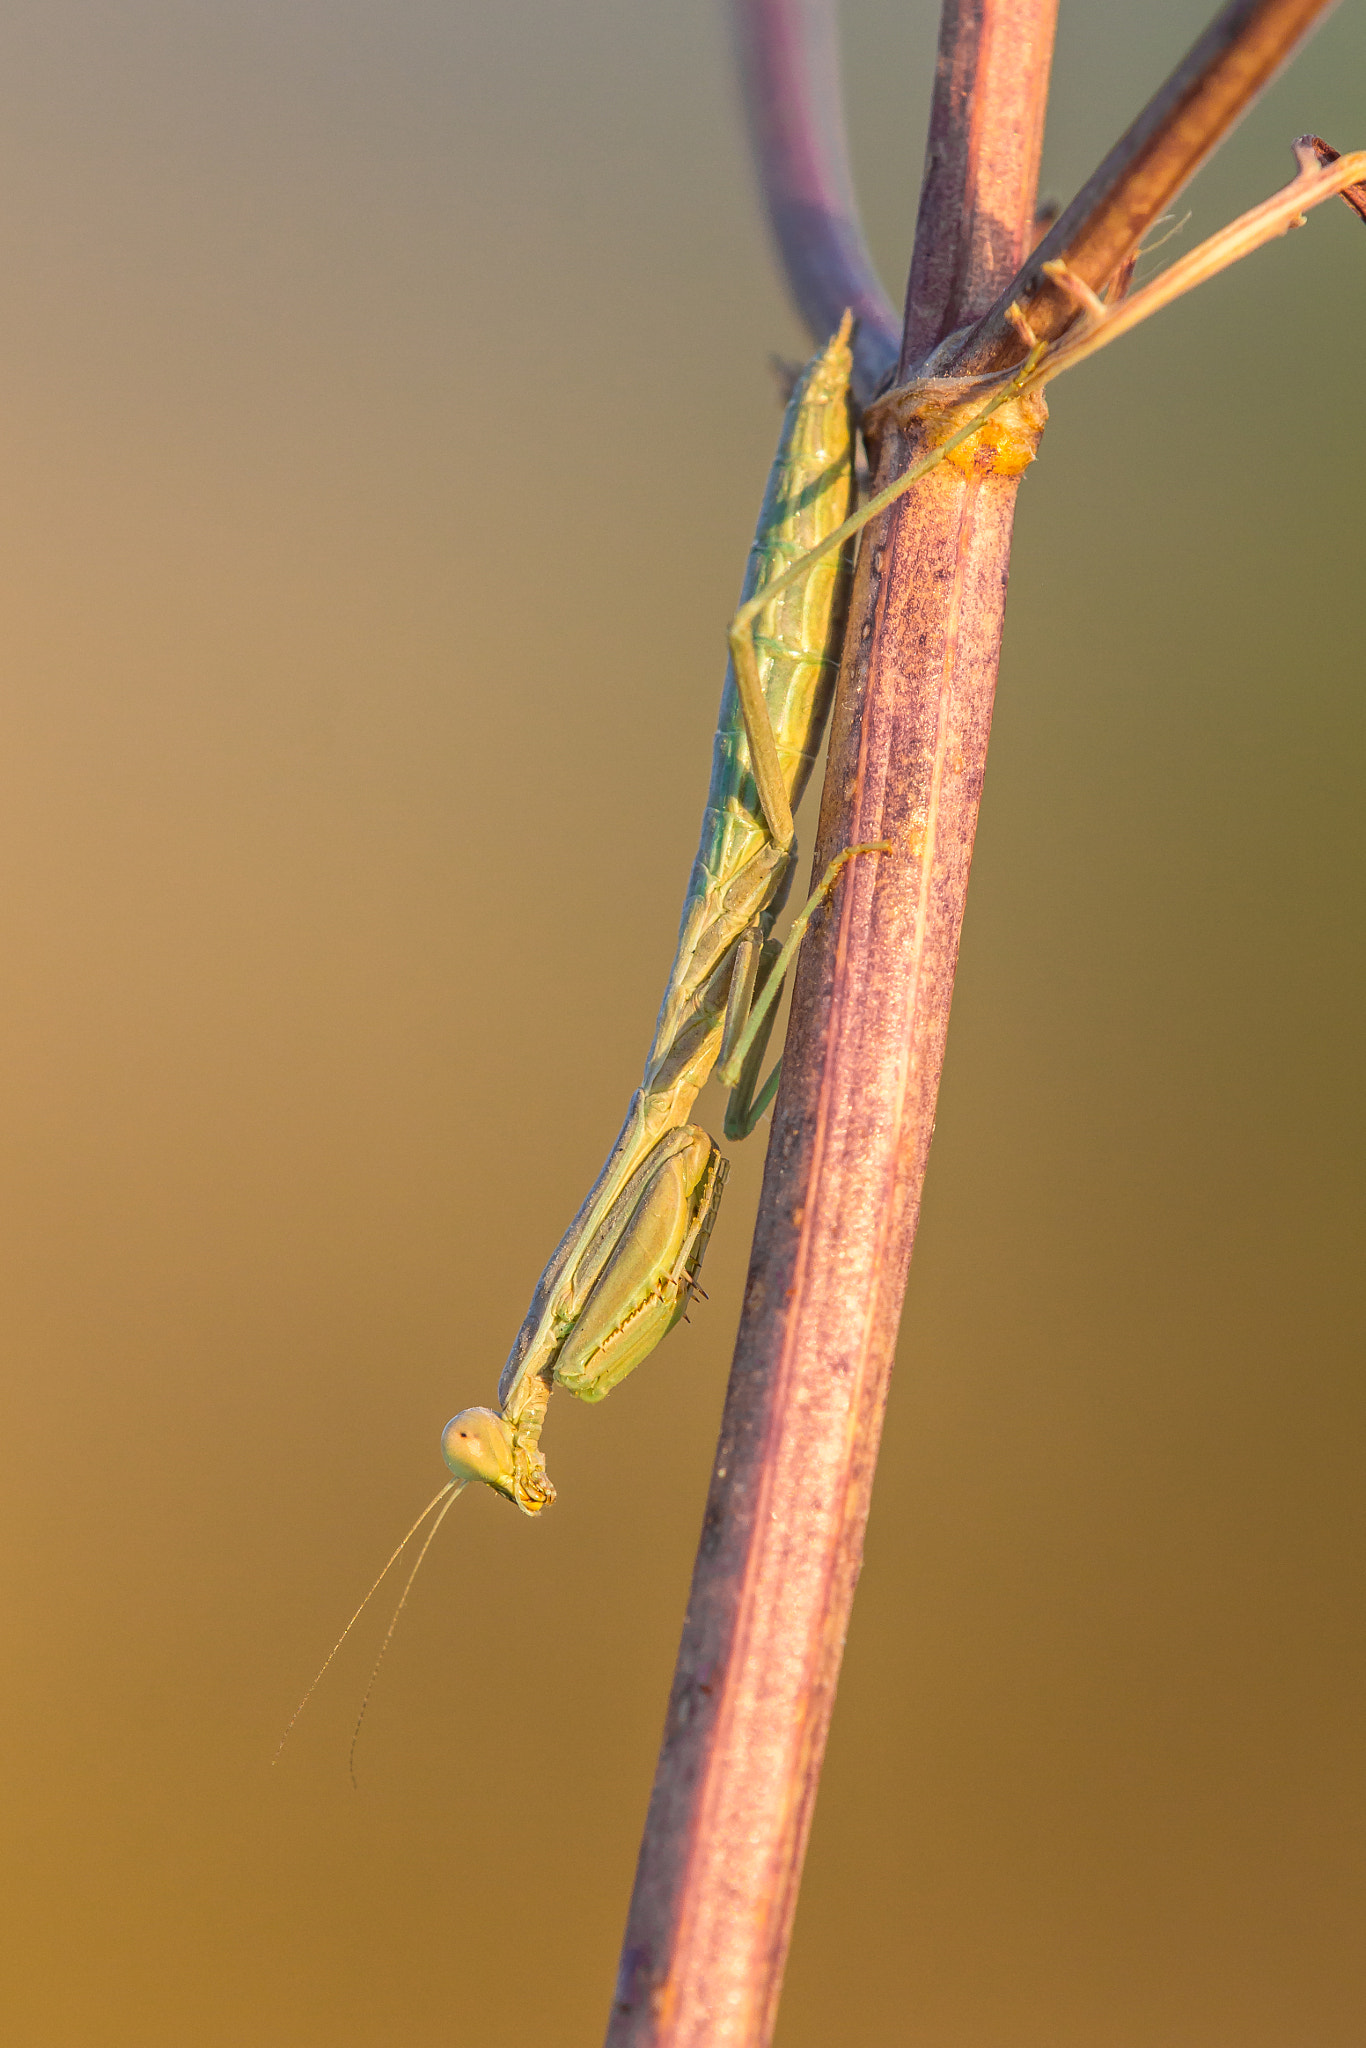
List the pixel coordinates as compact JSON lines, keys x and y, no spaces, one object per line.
{"x":755,"y":992}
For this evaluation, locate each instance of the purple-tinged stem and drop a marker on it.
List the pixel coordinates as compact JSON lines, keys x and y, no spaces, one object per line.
{"x":788,"y":58}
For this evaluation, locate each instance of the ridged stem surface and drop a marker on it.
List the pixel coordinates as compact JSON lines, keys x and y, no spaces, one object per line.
{"x":747,"y":1720}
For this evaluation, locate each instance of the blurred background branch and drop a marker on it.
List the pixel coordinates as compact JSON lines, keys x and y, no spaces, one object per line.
{"x":787,"y":56}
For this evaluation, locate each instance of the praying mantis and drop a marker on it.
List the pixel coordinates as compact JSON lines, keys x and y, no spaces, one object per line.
{"x":622,"y":1275}
{"x":625,"y":1269}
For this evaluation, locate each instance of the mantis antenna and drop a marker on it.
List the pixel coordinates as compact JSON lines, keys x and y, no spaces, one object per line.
{"x":451,"y":1487}
{"x":455,"y":1489}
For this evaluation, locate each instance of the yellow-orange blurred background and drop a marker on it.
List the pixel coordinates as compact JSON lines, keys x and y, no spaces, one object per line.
{"x":384,"y":405}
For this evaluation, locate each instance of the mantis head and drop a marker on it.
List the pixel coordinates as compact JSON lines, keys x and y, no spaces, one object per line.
{"x":477,"y":1444}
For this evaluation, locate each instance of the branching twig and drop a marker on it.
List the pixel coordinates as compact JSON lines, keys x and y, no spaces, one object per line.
{"x":1208,"y":93}
{"x":1103,"y":322}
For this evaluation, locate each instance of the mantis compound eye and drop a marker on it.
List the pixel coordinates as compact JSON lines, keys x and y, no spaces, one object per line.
{"x":477,"y":1444}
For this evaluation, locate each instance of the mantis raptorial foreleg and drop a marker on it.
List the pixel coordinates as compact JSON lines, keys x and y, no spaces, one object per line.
{"x":645,"y":1285}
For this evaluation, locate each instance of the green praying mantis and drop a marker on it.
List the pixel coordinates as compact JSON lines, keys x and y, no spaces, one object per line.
{"x":626,"y":1268}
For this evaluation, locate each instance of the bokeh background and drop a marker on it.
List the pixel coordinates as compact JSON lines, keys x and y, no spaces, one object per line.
{"x":385,"y":401}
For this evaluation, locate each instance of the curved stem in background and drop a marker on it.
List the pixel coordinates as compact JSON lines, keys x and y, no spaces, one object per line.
{"x":788,"y":61}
